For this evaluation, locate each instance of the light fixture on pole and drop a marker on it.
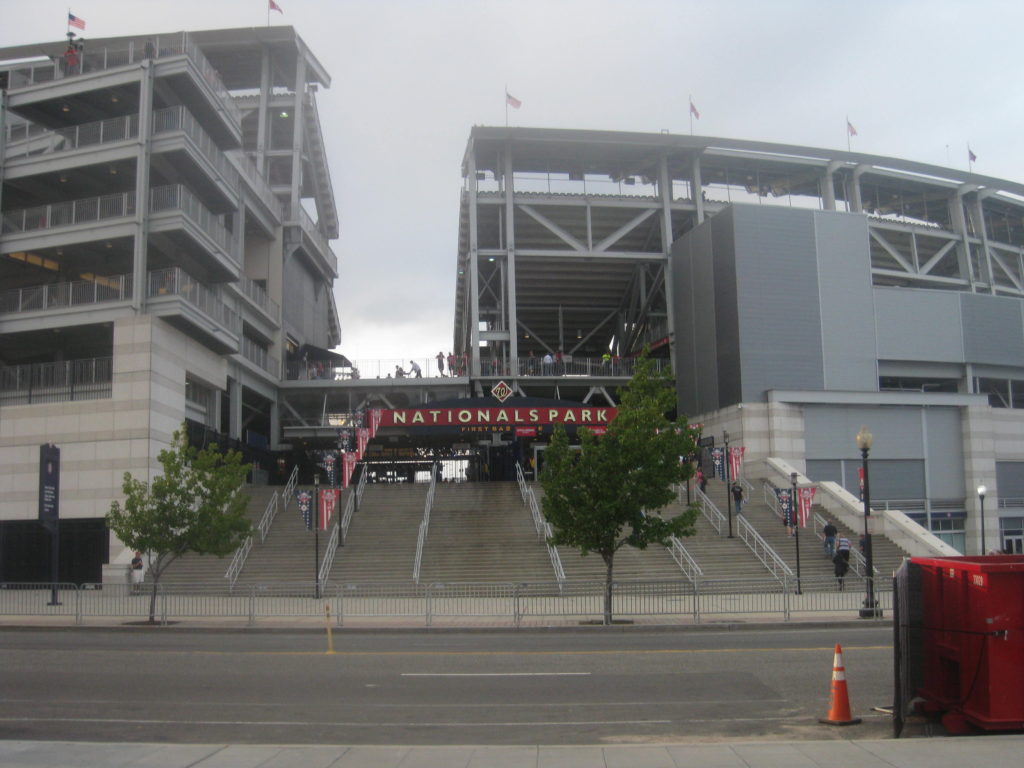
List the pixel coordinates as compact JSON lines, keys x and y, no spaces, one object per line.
{"x":728,"y":482}
{"x":794,"y":511}
{"x":981,"y":498}
{"x":870,"y":609}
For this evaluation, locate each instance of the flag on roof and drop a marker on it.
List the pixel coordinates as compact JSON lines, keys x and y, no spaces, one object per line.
{"x":275,"y":7}
{"x":970,"y":154}
{"x":75,"y":21}
{"x":512,"y":101}
{"x":850,"y":129}
{"x":693,"y":110}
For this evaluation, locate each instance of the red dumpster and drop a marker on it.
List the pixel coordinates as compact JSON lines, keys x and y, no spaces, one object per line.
{"x":973,"y":640}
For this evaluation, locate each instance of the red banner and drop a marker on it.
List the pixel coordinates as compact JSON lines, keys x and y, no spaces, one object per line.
{"x":736,"y":460}
{"x":328,"y":500}
{"x":374,"y":416}
{"x":806,"y":497}
{"x":362,"y":439}
{"x":579,"y":416}
{"x":348,"y":465}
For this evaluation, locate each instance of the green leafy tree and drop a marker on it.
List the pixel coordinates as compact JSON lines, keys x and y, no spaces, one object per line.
{"x":597,"y":499}
{"x":195,"y":506}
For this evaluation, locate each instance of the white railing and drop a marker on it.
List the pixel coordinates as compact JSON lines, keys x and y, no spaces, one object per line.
{"x":62,"y":295}
{"x":268,"y":517}
{"x":248,"y":169}
{"x":258,"y":354}
{"x":346,"y":516}
{"x":761,"y":549}
{"x":258,"y":294}
{"x":328,"y":559}
{"x":45,"y":142}
{"x":178,"y":197}
{"x":686,"y":564}
{"x":69,"y":213}
{"x":289,"y":487}
{"x":542,"y":526}
{"x":175,"y":281}
{"x":361,"y":485}
{"x":421,"y":539}
{"x":179,"y":118}
{"x":238,"y":561}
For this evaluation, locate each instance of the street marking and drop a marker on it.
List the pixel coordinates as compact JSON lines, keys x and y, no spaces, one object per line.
{"x":494,"y":674}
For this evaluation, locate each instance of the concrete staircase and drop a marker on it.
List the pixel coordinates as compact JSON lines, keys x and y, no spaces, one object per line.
{"x":193,"y":569}
{"x":289,"y":554}
{"x":381,"y":543}
{"x":813,"y":561}
{"x":483,"y":532}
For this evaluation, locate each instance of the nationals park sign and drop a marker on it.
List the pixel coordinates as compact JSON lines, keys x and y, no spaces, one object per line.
{"x":504,"y":417}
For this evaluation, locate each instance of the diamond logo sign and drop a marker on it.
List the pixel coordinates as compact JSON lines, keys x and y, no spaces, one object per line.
{"x":501,"y":391}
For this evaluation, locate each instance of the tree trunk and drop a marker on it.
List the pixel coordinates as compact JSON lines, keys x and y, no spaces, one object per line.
{"x":608,"y":588}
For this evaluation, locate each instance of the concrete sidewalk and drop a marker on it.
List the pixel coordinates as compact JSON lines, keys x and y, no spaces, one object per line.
{"x":838,"y":753}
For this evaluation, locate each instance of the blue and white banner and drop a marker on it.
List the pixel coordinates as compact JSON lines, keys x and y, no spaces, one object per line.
{"x":718,"y":462}
{"x":785,"y":499}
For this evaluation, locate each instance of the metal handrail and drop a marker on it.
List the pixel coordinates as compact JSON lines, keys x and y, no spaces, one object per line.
{"x":711,"y":512}
{"x":268,"y":517}
{"x":238,"y":561}
{"x":346,"y":516}
{"x":289,"y":487}
{"x":70,"y":212}
{"x":328,"y":560}
{"x":178,"y":197}
{"x":424,"y":526}
{"x":174,"y":281}
{"x":89,"y":134}
{"x":361,"y":485}
{"x":747,"y":534}
{"x":543,"y":528}
{"x":686,"y":563}
{"x":66,"y":380}
{"x":75,"y":293}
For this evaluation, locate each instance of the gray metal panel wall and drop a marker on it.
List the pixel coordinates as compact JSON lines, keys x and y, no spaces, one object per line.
{"x":727,"y":329}
{"x":901,"y":433}
{"x":1010,"y":479}
{"x":778,"y":309}
{"x":696,"y":374}
{"x":847,"y":304}
{"x":919,"y":325}
{"x":993,"y":329}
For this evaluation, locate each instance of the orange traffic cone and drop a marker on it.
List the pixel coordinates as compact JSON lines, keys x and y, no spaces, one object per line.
{"x":839,"y":704}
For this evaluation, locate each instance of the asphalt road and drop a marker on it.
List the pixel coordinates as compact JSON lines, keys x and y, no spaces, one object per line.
{"x":551,"y":687}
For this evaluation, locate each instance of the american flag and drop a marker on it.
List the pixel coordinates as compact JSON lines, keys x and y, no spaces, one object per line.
{"x":693,"y":110}
{"x":275,"y":7}
{"x":512,"y":101}
{"x":75,"y":21}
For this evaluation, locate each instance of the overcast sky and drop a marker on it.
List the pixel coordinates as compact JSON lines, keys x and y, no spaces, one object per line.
{"x":919,"y":79}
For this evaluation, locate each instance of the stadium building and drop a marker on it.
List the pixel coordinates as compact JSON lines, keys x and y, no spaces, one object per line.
{"x":167,"y":212}
{"x":799,"y":294}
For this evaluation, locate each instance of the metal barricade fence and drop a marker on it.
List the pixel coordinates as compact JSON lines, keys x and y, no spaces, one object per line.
{"x":444,"y":602}
{"x":383,"y":600}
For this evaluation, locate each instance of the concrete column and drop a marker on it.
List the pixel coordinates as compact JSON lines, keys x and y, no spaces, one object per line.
{"x":510,"y":257}
{"x":3,"y":141}
{"x":828,"y":188}
{"x":856,"y":201}
{"x":141,"y":239}
{"x":665,"y":184}
{"x":262,"y":121}
{"x":298,"y":115}
{"x":474,"y":269}
{"x":697,"y":189}
{"x":275,"y":427}
{"x":235,"y":412}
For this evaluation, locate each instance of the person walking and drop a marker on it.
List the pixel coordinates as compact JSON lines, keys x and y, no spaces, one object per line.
{"x":843,"y":548}
{"x":737,"y":497}
{"x":840,"y":565}
{"x":440,"y":363}
{"x":829,"y":532}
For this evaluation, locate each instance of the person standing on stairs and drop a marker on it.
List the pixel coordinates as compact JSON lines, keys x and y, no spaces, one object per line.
{"x":830,"y":532}
{"x":737,"y":497}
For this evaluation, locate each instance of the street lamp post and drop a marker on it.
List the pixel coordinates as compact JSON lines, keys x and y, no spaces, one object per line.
{"x":870,"y":609}
{"x":316,"y":534}
{"x":981,"y":498}
{"x":728,"y":481}
{"x":794,"y":511}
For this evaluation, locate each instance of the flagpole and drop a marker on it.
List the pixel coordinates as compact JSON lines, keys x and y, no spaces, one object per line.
{"x":848,"y":133}
{"x":691,"y":113}
{"x":970,"y":162}
{"x":506,"y":105}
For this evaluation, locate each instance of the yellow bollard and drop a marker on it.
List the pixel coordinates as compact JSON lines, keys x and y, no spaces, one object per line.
{"x":327,"y":619}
